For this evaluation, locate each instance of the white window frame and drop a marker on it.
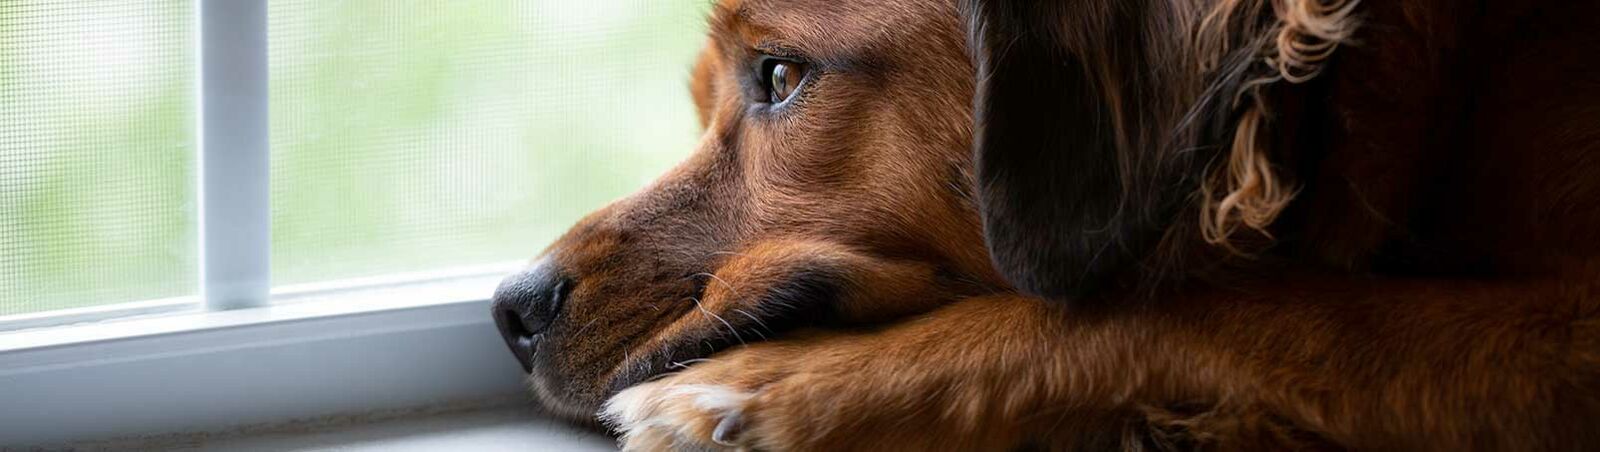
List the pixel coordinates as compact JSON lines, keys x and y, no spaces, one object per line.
{"x":234,"y":164}
{"x":241,"y":351}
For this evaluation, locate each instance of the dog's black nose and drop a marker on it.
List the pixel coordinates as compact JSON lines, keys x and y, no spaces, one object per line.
{"x":525,"y":305}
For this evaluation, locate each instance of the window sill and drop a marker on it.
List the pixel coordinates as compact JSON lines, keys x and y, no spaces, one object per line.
{"x":500,"y":425}
{"x":369,"y":345}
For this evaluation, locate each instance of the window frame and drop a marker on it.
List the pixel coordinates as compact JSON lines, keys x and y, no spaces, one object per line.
{"x":384,"y":343}
{"x":249,"y":352}
{"x":234,"y":166}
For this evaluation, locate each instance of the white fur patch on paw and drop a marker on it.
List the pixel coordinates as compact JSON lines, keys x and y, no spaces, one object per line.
{"x":688,"y":412}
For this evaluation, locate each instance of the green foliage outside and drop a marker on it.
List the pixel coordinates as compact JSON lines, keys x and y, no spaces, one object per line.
{"x":406,"y":135}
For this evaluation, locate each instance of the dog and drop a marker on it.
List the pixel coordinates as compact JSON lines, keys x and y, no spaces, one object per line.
{"x":1100,"y":224}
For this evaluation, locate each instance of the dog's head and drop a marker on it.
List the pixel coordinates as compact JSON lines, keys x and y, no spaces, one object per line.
{"x":832,"y":185}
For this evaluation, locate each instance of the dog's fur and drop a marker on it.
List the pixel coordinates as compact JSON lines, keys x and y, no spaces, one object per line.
{"x":1089,"y":224}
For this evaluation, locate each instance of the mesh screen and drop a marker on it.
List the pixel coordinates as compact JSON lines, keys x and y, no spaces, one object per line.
{"x":96,"y":146}
{"x":416,"y":135}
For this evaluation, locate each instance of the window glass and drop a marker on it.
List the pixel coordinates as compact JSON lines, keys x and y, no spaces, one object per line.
{"x":426,"y":134}
{"x":96,"y":153}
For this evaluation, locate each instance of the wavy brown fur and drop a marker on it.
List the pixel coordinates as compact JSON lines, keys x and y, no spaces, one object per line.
{"x":1162,"y":110}
{"x":1246,"y":190}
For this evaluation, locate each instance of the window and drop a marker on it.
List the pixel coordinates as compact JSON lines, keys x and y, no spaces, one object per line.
{"x":404,"y":136}
{"x":386,"y":157}
{"x":97,"y":204}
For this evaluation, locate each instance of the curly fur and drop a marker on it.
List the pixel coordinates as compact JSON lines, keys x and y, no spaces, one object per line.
{"x":1246,"y":189}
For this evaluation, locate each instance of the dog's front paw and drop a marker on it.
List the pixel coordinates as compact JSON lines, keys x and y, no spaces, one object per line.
{"x":933,"y":382}
{"x":667,"y":416}
{"x":767,"y":396}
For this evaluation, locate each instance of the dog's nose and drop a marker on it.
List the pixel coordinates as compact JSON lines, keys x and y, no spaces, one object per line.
{"x":525,"y":305}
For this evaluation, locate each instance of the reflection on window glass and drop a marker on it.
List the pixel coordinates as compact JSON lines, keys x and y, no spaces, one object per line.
{"x":96,"y":146}
{"x":425,"y":134}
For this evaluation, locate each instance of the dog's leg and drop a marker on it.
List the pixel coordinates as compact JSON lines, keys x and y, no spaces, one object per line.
{"x":931,"y":382}
{"x":1364,"y":365}
{"x":993,"y":373}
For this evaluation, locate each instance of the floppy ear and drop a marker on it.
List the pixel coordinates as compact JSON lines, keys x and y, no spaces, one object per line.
{"x":1061,"y":207}
{"x":1115,"y":138}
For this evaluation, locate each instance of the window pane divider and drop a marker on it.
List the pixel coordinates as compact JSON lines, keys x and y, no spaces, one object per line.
{"x":235,"y":211}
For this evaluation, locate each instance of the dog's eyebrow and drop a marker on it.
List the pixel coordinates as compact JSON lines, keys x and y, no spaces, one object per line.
{"x":823,"y":31}
{"x":739,"y":31}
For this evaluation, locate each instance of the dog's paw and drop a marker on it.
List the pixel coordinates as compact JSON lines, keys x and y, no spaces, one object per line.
{"x":759,"y":397}
{"x":666,"y":416}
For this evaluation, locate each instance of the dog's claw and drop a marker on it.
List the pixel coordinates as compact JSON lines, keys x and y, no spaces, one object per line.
{"x":727,"y":431}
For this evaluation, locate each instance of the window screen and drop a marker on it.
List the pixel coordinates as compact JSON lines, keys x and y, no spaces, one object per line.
{"x":96,"y":152}
{"x":425,"y":134}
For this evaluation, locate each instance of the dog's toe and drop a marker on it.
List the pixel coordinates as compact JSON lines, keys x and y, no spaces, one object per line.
{"x":675,"y":415}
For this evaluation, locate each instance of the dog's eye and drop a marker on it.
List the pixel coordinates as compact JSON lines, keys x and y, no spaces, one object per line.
{"x":783,"y":78}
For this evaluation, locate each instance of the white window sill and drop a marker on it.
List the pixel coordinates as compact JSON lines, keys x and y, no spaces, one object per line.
{"x":356,"y":346}
{"x":471,"y":426}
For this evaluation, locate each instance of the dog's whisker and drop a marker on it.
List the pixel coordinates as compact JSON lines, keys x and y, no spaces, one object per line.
{"x":719,"y":318}
{"x":763,"y":325}
{"x":685,"y":363}
{"x":662,"y":375}
{"x":586,"y":327}
{"x":731,"y":288}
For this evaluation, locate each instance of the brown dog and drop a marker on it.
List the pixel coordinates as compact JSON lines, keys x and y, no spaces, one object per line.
{"x":1244,"y":224}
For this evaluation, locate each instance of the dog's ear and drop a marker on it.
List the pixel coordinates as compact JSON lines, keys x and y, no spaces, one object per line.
{"x":1116,"y":139}
{"x":1063,"y":171}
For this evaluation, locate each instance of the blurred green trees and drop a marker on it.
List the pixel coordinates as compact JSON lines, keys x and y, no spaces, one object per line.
{"x":406,"y":135}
